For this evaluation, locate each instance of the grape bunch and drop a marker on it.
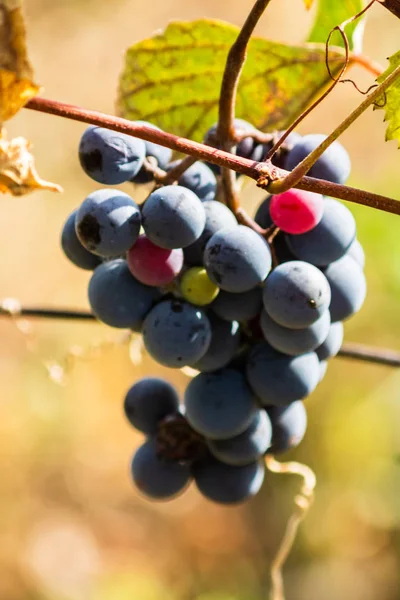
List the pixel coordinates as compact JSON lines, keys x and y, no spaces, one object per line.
{"x":255,"y":316}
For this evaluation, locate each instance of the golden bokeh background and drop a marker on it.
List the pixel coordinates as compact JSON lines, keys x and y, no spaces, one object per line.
{"x":72,"y":526}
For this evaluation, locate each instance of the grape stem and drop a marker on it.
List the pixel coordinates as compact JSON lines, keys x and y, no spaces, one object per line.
{"x":233,"y":69}
{"x":12,"y":308}
{"x":227,"y":101}
{"x":380,"y":356}
{"x":263,"y":173}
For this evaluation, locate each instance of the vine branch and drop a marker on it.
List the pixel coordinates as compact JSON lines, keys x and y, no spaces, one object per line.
{"x":157,"y":136}
{"x":263,"y":173}
{"x":47,"y":313}
{"x":233,"y":68}
{"x":11,"y":307}
{"x":227,"y":100}
{"x":380,"y":356}
{"x":345,"y":192}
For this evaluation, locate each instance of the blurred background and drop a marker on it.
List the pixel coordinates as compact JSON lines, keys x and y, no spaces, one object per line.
{"x":72,"y":526}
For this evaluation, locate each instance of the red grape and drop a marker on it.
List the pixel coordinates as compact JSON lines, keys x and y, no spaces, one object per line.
{"x":153,"y":265}
{"x":296,"y":211}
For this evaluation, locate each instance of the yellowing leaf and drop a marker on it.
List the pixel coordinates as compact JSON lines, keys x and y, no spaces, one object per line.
{"x":16,"y":85}
{"x":308,"y":3}
{"x":390,"y":102}
{"x":14,"y":94}
{"x":173,"y":78}
{"x":18,"y":175}
{"x":331,"y":13}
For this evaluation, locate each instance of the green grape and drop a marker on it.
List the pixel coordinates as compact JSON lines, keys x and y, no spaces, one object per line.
{"x":197,"y":288}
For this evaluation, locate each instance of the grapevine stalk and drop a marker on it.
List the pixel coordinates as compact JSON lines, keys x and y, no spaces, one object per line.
{"x":227,"y":101}
{"x":233,"y":69}
{"x":12,"y":308}
{"x":261,"y":172}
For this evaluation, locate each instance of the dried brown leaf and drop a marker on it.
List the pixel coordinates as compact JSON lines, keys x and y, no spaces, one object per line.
{"x":16,"y":73}
{"x":18,"y":175}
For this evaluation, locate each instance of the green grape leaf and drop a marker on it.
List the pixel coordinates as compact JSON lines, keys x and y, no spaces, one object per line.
{"x":390,"y":102}
{"x":331,"y":13}
{"x":173,"y":79}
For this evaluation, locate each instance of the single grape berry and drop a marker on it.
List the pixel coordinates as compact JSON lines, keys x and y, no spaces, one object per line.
{"x":333,"y":165}
{"x":200,"y":179}
{"x":197,"y":288}
{"x":289,"y":424}
{"x":225,"y":339}
{"x":110,"y":157}
{"x":329,"y":240}
{"x":148,"y":401}
{"x":157,"y":477}
{"x":323,"y":367}
{"x":153,"y":265}
{"x":278,"y":379}
{"x":117,"y":298}
{"x":227,"y":484}
{"x":218,"y":216}
{"x":238,"y":307}
{"x":296,"y":294}
{"x":176,"y":334}
{"x":74,"y":250}
{"x":237,"y":259}
{"x":357,"y":253}
{"x":295,"y":341}
{"x":296,"y":211}
{"x":108,"y":223}
{"x":263,"y":215}
{"x":219,"y":405}
{"x":348,"y":285}
{"x":247,"y":446}
{"x":332,"y":343}
{"x":173,"y":217}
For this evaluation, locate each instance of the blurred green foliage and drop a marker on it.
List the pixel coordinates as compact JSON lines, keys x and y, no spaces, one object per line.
{"x":330,"y":14}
